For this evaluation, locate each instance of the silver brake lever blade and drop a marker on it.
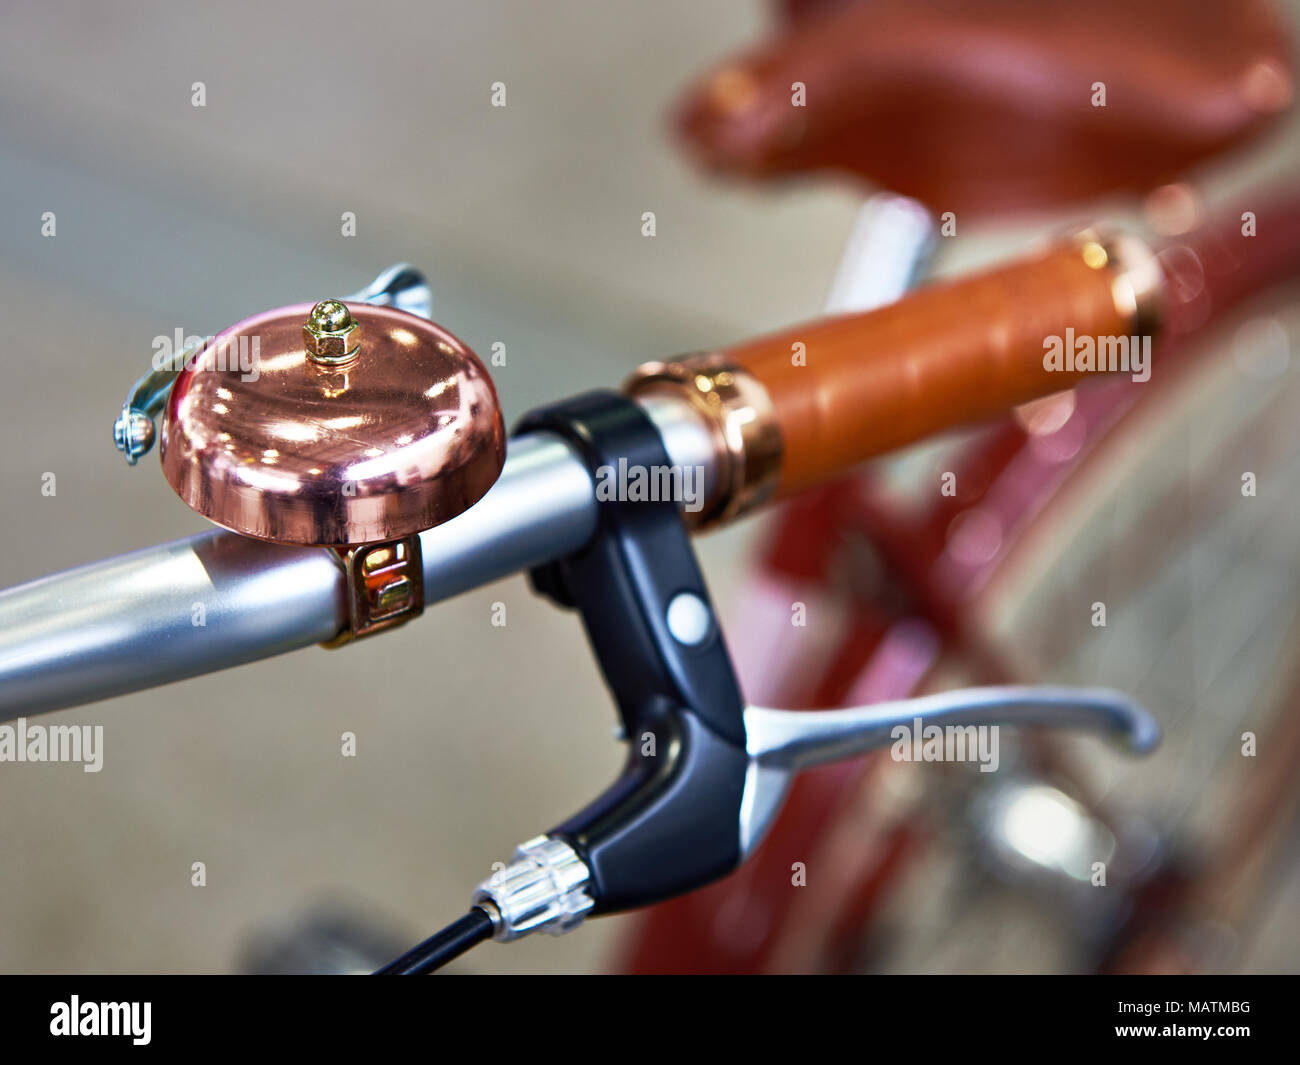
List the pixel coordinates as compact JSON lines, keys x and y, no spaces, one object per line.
{"x":401,"y":286}
{"x":782,"y":742}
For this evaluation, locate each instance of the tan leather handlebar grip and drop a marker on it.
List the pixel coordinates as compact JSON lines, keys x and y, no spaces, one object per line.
{"x":847,"y":388}
{"x":806,"y":404}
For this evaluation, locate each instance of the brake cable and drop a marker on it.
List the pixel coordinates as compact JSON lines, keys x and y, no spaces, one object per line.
{"x":444,"y":946}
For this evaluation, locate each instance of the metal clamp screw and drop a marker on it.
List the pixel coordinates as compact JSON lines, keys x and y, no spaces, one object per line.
{"x":385,"y":585}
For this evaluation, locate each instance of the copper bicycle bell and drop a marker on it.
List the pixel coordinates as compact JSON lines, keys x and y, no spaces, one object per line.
{"x":342,"y":425}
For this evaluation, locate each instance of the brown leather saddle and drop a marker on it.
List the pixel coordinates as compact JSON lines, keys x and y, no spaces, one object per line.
{"x":995,"y":105}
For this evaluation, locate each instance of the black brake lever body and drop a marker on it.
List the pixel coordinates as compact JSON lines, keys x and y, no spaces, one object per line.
{"x":670,"y":822}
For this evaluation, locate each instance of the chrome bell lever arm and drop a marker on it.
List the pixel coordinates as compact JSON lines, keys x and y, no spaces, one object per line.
{"x":782,"y":742}
{"x":400,"y":286}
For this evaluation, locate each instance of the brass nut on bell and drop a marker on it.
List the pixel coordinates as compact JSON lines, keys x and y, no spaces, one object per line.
{"x":330,"y":333}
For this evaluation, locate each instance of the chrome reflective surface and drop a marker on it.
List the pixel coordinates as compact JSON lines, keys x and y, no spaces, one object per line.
{"x":782,"y":742}
{"x":890,"y":243}
{"x":401,"y":286}
{"x":128,"y":622}
{"x":262,"y":438}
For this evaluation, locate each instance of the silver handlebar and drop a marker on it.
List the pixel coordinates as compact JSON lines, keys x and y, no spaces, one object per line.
{"x":132,"y":622}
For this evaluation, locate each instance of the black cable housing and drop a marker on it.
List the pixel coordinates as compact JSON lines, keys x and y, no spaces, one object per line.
{"x":442,"y":947}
